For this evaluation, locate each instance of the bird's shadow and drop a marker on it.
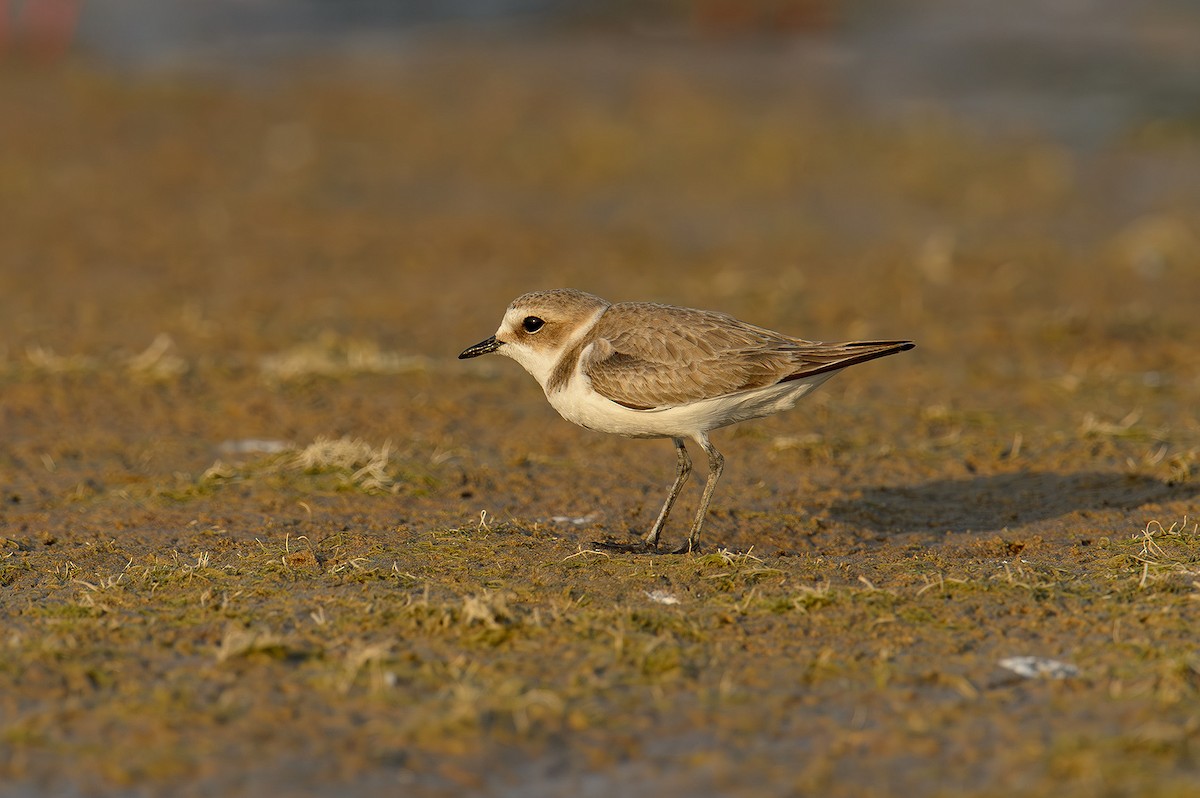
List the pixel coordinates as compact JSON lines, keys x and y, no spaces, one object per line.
{"x":1002,"y":500}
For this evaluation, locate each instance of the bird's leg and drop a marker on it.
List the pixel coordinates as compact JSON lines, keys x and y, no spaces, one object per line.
{"x":681,"y":476}
{"x":716,"y":464}
{"x":650,"y":542}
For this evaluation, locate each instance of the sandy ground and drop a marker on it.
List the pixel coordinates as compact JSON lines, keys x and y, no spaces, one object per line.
{"x":260,"y":528}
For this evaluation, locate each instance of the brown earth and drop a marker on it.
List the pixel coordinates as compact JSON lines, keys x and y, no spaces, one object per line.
{"x":260,"y":529}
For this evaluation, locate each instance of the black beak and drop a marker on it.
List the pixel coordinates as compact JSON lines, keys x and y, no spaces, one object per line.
{"x":481,"y":348}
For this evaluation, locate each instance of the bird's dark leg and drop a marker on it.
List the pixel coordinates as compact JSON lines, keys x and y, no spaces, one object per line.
{"x":681,"y":476}
{"x":716,"y":464}
{"x":650,"y":542}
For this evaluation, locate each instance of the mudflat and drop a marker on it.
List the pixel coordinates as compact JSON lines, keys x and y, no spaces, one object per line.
{"x":260,"y":529}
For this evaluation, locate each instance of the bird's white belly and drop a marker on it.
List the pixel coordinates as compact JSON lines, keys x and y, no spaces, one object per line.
{"x":581,"y":405}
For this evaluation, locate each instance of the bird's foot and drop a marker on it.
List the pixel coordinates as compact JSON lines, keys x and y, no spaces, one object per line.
{"x":639,"y":547}
{"x":687,"y":548}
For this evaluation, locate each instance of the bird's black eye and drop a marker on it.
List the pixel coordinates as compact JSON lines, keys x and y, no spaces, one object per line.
{"x":532,"y":324}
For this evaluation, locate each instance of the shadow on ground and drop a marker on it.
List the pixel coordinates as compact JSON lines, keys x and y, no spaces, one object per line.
{"x":1000,"y":500}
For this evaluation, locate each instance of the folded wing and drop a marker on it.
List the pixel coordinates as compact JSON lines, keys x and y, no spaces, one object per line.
{"x":654,"y":356}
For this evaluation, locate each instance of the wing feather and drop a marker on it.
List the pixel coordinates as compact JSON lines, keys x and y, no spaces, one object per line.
{"x":648,"y":356}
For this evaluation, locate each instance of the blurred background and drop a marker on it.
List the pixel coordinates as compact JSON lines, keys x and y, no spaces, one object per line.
{"x":242,"y":174}
{"x":1082,"y":69}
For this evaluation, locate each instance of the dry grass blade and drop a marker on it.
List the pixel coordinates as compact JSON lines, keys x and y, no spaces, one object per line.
{"x":239,"y":642}
{"x":367,"y":464}
{"x":158,"y":362}
{"x":487,"y":608}
{"x":332,"y":355}
{"x":1167,"y":551}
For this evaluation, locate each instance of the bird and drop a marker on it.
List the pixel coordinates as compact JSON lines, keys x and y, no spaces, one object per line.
{"x":650,"y":370}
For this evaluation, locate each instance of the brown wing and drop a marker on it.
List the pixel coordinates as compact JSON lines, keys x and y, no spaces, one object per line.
{"x":651,"y":356}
